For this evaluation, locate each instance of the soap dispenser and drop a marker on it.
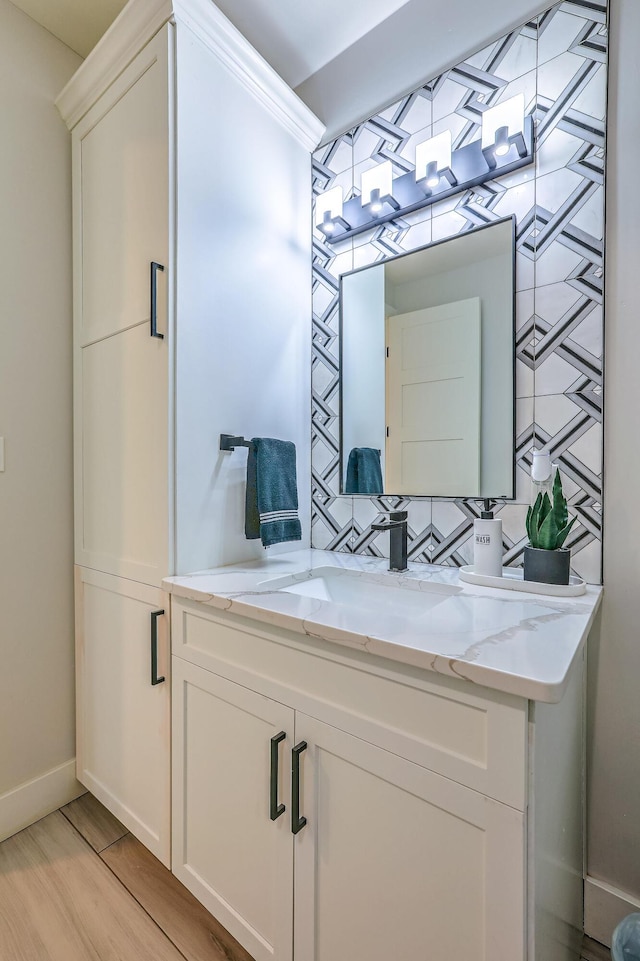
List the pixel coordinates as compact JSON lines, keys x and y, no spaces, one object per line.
{"x":487,"y":542}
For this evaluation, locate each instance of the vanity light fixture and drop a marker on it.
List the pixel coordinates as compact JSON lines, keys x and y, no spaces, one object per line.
{"x":376,"y":186}
{"x":502,"y":126}
{"x":506,"y":144}
{"x":329,"y":208}
{"x":433,"y":161}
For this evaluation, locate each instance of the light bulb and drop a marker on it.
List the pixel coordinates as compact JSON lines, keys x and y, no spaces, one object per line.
{"x":375,"y":205}
{"x":502,"y":142}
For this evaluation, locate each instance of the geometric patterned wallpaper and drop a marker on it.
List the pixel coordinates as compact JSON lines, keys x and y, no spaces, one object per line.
{"x":559,"y":62}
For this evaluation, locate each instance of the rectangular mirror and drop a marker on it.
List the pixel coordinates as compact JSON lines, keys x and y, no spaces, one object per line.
{"x":427,"y":362}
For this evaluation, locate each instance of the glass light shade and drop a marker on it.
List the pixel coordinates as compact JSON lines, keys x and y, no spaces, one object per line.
{"x":329,"y":203}
{"x":376,"y":184}
{"x":508,"y":114}
{"x":436,"y":151}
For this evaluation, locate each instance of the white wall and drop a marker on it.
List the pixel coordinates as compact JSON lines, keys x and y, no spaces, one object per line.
{"x":614,"y":702}
{"x":36,"y":556}
{"x":244,"y":299}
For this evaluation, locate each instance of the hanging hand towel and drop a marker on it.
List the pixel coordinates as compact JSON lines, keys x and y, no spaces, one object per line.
{"x":364,"y":474}
{"x":272,"y":492}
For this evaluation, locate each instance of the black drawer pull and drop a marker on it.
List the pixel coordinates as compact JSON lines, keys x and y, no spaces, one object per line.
{"x":275,"y":809}
{"x":154,"y":300}
{"x":297,"y":822}
{"x":154,"y":647}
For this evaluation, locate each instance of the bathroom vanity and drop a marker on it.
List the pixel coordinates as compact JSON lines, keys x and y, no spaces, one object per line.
{"x":369,"y":765}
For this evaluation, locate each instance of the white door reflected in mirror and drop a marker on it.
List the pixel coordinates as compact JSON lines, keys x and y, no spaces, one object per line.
{"x":433,"y":399}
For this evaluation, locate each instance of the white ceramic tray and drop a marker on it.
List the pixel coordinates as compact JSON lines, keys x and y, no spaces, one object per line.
{"x":512,"y":580}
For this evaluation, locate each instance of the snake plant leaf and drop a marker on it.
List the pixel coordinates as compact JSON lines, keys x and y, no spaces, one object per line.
{"x":534,"y":520}
{"x":559,"y":503}
{"x":545,"y":508}
{"x":564,"y":533}
{"x":548,"y":532}
{"x":531,"y":515}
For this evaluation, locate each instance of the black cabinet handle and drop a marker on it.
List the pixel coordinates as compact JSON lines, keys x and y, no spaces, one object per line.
{"x":154,"y":647}
{"x":275,"y":809}
{"x":297,"y":822}
{"x":154,"y":300}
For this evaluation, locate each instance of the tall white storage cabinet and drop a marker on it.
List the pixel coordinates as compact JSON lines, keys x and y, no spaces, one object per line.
{"x":191,"y":163}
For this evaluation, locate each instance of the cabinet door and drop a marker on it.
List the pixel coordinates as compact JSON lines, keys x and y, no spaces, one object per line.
{"x":398,"y":862}
{"x":122,"y":490}
{"x":123,"y":719}
{"x":226,"y":849}
{"x":121,"y":194}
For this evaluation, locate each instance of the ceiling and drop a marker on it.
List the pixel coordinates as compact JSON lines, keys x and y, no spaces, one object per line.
{"x":345,"y":60}
{"x":78,"y":23}
{"x":296,"y":38}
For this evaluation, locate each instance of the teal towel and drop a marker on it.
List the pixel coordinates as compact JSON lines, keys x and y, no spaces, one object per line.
{"x":272,"y":492}
{"x":364,"y":474}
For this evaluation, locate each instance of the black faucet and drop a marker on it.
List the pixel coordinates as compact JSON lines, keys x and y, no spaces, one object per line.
{"x":397,"y":527}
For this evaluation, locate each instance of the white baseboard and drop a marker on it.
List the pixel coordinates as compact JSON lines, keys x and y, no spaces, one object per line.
{"x":604,"y":908}
{"x":35,"y":799}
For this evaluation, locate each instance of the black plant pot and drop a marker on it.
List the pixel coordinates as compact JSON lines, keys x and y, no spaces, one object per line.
{"x":547,"y":567}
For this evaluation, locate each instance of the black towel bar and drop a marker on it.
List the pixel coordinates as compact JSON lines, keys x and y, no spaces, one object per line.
{"x":230,"y":442}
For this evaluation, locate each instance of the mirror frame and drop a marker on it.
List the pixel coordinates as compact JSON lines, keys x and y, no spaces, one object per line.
{"x":347,"y":273}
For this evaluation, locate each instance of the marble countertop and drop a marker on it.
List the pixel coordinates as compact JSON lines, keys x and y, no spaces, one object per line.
{"x":520,"y":643}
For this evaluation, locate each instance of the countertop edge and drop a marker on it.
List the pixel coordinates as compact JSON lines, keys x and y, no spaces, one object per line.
{"x":481,"y":675}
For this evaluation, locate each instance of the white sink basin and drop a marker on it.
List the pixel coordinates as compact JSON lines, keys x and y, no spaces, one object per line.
{"x":363,"y":592}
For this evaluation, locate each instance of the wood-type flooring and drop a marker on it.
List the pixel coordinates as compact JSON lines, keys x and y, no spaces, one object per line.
{"x":76,"y":886}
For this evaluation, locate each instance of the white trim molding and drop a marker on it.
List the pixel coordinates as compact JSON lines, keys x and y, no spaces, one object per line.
{"x":236,"y":53}
{"x":604,"y":908}
{"x":35,"y":799}
{"x":140,"y":20}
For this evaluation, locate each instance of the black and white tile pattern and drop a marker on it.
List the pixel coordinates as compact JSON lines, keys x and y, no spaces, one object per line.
{"x":558,"y":61}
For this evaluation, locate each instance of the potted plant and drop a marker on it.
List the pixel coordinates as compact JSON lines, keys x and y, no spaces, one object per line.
{"x":548,"y":526}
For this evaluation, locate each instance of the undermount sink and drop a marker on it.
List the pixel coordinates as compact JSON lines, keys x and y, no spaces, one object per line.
{"x":363,"y":592}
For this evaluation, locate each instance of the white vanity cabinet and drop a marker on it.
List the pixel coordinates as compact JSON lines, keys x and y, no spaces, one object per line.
{"x":416,"y":793}
{"x":191,"y":165}
{"x":226,"y":848}
{"x":396,"y":861}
